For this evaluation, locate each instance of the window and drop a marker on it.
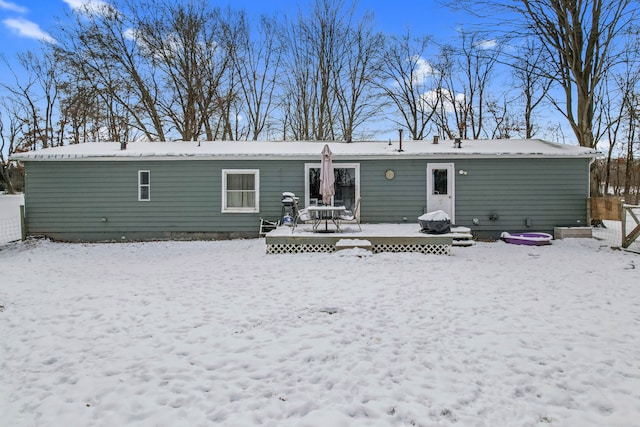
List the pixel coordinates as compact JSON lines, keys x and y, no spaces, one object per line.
{"x":240,"y":190}
{"x":347,"y":178}
{"x":440,"y":181}
{"x":144,"y":186}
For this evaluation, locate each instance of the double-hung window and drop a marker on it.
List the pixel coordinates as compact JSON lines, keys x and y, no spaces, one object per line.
{"x":241,"y":190}
{"x":144,"y":186}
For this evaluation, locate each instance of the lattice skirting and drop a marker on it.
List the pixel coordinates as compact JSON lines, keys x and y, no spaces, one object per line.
{"x":425,"y":249}
{"x":287,"y":248}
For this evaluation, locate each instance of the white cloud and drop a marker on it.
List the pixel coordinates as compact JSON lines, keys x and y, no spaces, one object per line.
{"x":131,"y":34}
{"x":88,"y":6}
{"x":487,"y":44}
{"x":28,"y":29}
{"x":423,"y":69}
{"x":442,"y":98}
{"x":12,"y":7}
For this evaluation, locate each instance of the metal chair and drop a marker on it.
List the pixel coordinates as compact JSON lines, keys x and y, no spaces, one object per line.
{"x":302,"y":215}
{"x":351,"y":215}
{"x":267,"y":226}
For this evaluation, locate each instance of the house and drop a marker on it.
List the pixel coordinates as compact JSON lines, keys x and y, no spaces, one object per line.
{"x":191,"y":190}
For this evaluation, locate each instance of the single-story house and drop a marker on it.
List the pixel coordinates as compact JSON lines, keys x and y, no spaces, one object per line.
{"x":192,"y":190}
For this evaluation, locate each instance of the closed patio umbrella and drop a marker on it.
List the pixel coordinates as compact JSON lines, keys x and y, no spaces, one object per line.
{"x":327,"y":180}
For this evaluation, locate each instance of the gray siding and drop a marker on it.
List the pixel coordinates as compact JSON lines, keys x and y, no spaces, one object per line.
{"x":68,"y":199}
{"x":550,"y":192}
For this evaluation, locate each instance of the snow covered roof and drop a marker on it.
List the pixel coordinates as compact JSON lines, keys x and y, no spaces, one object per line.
{"x":304,"y":150}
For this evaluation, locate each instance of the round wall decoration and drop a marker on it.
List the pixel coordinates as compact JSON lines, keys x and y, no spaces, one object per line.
{"x":389,"y":174}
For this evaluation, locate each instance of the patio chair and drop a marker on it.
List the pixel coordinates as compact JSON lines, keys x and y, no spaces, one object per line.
{"x":350,"y":216}
{"x":267,"y":226}
{"x":302,"y":215}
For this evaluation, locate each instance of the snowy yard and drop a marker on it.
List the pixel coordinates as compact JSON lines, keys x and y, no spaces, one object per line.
{"x":219,"y":333}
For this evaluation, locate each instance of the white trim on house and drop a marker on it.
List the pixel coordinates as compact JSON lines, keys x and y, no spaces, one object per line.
{"x":256,"y":191}
{"x":336,"y":165}
{"x":142,"y":195}
{"x":446,"y":203}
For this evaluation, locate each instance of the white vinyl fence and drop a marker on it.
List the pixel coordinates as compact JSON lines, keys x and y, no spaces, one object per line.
{"x":10,"y":218}
{"x":10,"y":229}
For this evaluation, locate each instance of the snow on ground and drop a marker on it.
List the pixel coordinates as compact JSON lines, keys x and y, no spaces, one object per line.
{"x":219,"y":333}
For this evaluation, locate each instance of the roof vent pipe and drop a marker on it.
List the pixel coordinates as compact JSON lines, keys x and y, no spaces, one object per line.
{"x":400,"y":132}
{"x":123,"y":145}
{"x":435,"y":139}
{"x":457,"y":143}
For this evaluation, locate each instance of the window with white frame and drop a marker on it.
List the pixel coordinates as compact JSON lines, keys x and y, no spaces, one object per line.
{"x":144,"y":186}
{"x":241,"y":190}
{"x":347,"y":184}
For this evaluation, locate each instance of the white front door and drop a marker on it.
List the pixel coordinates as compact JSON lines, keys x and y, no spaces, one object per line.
{"x":441,"y":188}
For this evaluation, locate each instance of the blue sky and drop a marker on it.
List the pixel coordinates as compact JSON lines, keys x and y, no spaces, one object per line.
{"x":24,"y":23}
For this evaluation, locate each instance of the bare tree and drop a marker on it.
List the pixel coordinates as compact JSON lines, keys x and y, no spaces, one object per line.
{"x":102,"y":47}
{"x":580,"y":39}
{"x":189,"y":46}
{"x":356,"y":74}
{"x":331,"y":59}
{"x":299,"y":99}
{"x":612,"y":113}
{"x":258,"y":61}
{"x":631,"y":120}
{"x":504,"y":121}
{"x":36,"y":97}
{"x":478,"y":57}
{"x":533,"y":86}
{"x":79,"y":114}
{"x":8,"y":138}
{"x":407,"y":79}
{"x":313,"y":43}
{"x":452,"y":109}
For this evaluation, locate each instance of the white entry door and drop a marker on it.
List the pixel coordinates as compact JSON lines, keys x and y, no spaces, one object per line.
{"x":441,"y":188}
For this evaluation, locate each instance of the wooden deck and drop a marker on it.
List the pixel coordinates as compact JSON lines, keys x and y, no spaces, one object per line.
{"x":374,"y":237}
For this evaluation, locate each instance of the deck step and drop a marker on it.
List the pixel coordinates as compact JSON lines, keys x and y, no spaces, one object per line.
{"x":353,"y":243}
{"x":462,"y":236}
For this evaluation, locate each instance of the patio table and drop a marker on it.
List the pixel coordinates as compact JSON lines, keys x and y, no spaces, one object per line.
{"x":326,"y":213}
